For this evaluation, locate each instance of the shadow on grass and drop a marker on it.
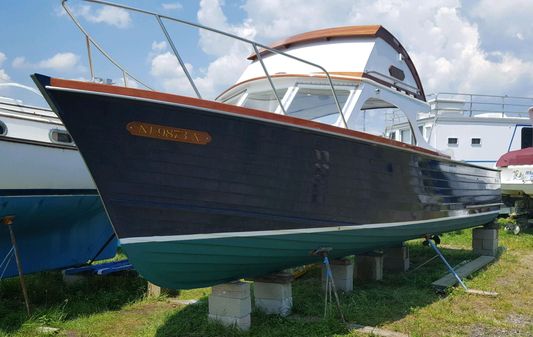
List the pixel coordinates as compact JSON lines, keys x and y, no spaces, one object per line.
{"x":52,"y":301}
{"x":372,"y":303}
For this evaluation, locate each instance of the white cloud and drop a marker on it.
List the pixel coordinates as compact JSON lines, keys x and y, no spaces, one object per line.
{"x":166,"y":65}
{"x":167,"y":70}
{"x":211,"y":15}
{"x":511,"y":17}
{"x":62,"y":62}
{"x":112,"y":16}
{"x":172,"y":6}
{"x":159,"y":46}
{"x":19,"y":62}
{"x":280,"y":18}
{"x":4,"y":77}
{"x":229,"y":56}
{"x":445,"y":44}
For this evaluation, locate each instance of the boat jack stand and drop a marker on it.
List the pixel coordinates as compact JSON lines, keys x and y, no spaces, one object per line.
{"x":8,"y":221}
{"x":330,"y":283}
{"x":452,"y":271}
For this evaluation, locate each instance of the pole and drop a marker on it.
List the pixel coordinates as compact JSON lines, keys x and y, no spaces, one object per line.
{"x":8,"y":221}
{"x":447,"y":264}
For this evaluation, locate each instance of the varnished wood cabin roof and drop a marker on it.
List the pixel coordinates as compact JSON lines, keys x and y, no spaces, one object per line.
{"x":374,"y":31}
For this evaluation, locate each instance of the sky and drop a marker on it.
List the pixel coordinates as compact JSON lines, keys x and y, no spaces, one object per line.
{"x":472,"y":46}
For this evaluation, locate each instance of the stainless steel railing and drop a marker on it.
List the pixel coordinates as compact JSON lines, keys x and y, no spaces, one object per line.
{"x":159,"y":18}
{"x":471,"y":105}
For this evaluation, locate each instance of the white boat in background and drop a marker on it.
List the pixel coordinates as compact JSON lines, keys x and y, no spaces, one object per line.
{"x":59,"y":218}
{"x":516,"y":171}
{"x":478,"y":129}
{"x":38,"y":150}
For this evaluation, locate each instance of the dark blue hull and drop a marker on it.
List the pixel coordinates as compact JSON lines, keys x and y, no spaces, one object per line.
{"x":247,"y":173}
{"x":55,"y":231}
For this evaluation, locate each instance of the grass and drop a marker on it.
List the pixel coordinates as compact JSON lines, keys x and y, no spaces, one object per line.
{"x":116,"y":305}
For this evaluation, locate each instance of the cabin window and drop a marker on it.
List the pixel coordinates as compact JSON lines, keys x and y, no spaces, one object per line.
{"x":235,"y":99}
{"x":61,"y":137}
{"x":392,"y":135}
{"x":405,"y":136}
{"x":527,"y":137}
{"x":453,"y":141}
{"x":3,"y":129}
{"x":476,"y":141}
{"x":317,"y":104}
{"x":265,"y":100}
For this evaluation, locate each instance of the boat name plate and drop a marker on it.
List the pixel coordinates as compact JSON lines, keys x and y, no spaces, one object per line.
{"x":168,"y":133}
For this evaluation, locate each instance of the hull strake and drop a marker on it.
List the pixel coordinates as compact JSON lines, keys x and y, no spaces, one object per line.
{"x":257,"y":176}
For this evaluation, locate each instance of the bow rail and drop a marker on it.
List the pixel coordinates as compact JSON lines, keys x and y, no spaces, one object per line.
{"x":159,"y":18}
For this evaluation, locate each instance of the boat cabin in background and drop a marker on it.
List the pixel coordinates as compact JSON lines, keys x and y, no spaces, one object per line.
{"x":478,"y":129}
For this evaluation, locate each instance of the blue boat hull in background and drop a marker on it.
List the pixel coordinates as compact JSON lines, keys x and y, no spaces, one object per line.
{"x":55,"y":231}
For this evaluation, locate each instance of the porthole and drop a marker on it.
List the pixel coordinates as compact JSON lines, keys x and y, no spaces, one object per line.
{"x":61,"y":137}
{"x":3,"y":129}
{"x":476,"y":141}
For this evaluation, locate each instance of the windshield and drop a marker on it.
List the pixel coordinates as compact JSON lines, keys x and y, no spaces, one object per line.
{"x":264,"y":100}
{"x":317,"y":104}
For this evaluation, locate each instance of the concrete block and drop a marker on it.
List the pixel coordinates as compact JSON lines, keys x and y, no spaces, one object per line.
{"x":477,"y":244}
{"x":242,"y":323}
{"x":396,"y":259}
{"x":282,"y":306}
{"x":272,"y":290}
{"x":230,"y":304}
{"x":369,"y":267}
{"x":485,"y":241}
{"x":487,"y":252}
{"x":490,"y":244}
{"x":273,"y":298}
{"x":153,"y":290}
{"x":236,"y":289}
{"x":227,"y":306}
{"x":485,"y":234}
{"x":342,"y":271}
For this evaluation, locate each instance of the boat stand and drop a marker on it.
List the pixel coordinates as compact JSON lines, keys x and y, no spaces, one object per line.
{"x":452,"y":270}
{"x":330,"y":283}
{"x":8,"y":221}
